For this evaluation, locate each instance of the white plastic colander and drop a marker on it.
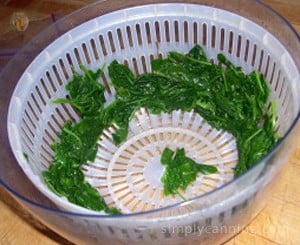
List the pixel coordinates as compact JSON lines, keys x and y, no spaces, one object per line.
{"x":128,"y":176}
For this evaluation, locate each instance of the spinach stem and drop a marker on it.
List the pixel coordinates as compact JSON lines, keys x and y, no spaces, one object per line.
{"x":199,"y":61}
{"x":273,"y":118}
{"x":71,"y":133}
{"x":257,"y":76}
{"x":87,"y":72}
{"x":253,"y":135}
{"x":180,"y":195}
{"x":225,"y":80}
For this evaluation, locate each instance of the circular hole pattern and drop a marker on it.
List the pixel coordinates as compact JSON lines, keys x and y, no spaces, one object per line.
{"x":128,"y":176}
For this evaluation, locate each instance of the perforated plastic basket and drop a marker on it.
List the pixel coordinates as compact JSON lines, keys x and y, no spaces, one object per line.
{"x":128,"y":176}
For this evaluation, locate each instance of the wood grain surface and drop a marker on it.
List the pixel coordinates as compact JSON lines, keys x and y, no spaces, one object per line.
{"x":279,"y":221}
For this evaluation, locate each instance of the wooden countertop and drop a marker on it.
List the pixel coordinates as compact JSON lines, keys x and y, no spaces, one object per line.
{"x":278,"y":223}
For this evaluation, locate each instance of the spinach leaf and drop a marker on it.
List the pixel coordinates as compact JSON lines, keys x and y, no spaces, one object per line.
{"x":78,"y":143}
{"x":119,"y":113}
{"x":180,"y":171}
{"x":122,"y":78}
{"x":67,"y":180}
{"x":86,"y":92}
{"x":197,"y":53}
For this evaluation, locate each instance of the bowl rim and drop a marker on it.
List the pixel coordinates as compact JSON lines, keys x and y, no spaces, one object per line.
{"x":179,"y":204}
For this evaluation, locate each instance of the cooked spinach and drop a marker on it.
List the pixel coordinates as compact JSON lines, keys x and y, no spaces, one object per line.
{"x":181,"y":170}
{"x":222,"y":94}
{"x":67,"y":180}
{"x":87,"y":94}
{"x":227,"y":99}
{"x":77,"y":143}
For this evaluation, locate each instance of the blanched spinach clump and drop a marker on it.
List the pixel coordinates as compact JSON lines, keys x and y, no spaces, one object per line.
{"x":77,"y":144}
{"x":181,"y":170}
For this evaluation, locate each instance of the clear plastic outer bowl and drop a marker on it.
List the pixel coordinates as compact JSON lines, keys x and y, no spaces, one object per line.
{"x":249,"y":33}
